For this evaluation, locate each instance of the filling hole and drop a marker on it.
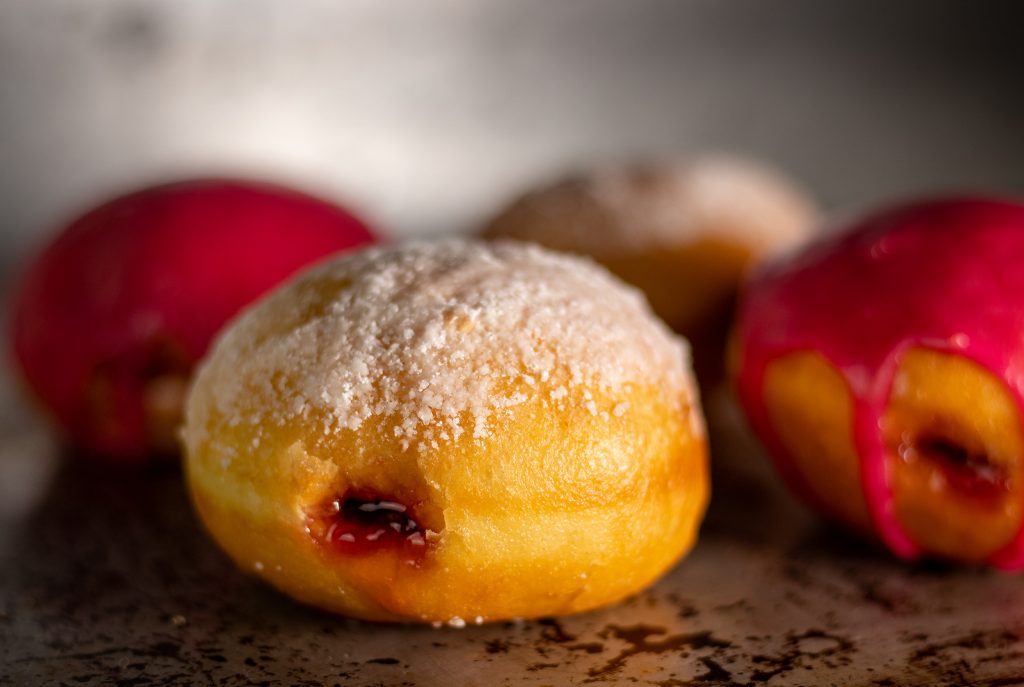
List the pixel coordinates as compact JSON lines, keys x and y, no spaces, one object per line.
{"x":968,"y":471}
{"x":359,"y":524}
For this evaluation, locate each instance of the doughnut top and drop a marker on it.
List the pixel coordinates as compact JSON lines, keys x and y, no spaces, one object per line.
{"x":637,"y":208}
{"x":440,"y":338}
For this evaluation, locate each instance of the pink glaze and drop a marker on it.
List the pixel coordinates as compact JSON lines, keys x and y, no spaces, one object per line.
{"x":140,"y":285}
{"x":946,"y":275}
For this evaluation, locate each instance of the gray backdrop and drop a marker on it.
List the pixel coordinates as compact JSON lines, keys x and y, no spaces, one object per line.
{"x":425,"y":114}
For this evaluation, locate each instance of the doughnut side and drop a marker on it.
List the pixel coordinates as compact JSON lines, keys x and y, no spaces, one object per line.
{"x":560,"y":511}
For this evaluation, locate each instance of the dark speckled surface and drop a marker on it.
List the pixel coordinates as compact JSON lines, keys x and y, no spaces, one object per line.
{"x":107,"y":579}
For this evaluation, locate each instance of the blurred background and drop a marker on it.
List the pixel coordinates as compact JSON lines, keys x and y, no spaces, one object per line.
{"x":426,"y":115}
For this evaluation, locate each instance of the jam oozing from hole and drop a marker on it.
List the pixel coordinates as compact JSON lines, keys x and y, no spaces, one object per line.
{"x":359,"y":525}
{"x":967,"y":472}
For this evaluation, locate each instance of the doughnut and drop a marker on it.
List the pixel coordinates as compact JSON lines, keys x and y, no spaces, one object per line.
{"x":110,"y":319}
{"x":682,"y":232}
{"x":881,"y":367}
{"x":449,"y":432}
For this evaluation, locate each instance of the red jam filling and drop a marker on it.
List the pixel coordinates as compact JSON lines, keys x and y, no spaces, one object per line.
{"x":970,"y":474}
{"x":361,"y":524}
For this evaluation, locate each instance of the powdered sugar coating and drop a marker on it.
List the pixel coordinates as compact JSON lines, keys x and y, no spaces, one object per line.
{"x":621,"y":210}
{"x":440,"y":338}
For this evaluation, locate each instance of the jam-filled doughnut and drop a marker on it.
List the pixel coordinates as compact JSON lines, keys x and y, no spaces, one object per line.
{"x":882,"y":367}
{"x":683,"y":232}
{"x":109,"y":321}
{"x":449,"y":432}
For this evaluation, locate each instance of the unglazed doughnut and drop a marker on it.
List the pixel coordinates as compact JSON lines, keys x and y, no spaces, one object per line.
{"x":683,"y":233}
{"x":882,"y":367}
{"x":449,"y":432}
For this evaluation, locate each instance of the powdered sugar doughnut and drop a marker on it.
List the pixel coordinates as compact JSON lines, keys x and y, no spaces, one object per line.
{"x":684,"y":233}
{"x":449,"y":430}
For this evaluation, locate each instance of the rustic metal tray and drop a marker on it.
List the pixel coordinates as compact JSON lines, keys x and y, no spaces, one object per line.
{"x":106,"y":577}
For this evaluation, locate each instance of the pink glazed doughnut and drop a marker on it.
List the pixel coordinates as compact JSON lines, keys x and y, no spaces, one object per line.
{"x":883,"y":368}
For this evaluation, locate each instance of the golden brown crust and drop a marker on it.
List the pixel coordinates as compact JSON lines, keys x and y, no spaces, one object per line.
{"x":953,"y":443}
